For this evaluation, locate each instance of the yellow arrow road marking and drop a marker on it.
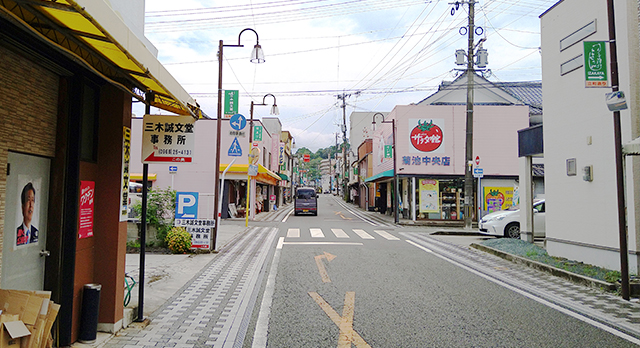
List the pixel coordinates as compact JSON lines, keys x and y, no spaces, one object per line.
{"x":347,"y":334}
{"x":323,"y":271}
{"x":342,"y":216}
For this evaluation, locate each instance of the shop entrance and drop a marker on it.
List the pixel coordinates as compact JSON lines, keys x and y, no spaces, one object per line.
{"x":25,"y":222}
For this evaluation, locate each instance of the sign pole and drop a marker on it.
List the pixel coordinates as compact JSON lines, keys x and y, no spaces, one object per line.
{"x":143,"y":223}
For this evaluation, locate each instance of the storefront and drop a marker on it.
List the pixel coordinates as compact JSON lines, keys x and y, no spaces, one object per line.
{"x":265,"y":188}
{"x":66,"y":109}
{"x":430,"y":163}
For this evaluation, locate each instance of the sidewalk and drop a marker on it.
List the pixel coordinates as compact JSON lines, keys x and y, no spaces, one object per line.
{"x":165,"y":274}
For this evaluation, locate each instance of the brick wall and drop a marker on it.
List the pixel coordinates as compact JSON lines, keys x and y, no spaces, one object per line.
{"x":28,"y":109}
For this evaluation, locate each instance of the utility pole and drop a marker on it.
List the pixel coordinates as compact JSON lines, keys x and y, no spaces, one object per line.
{"x":345,"y":179}
{"x":336,"y":171}
{"x":622,"y":218}
{"x":470,"y":71}
{"x":468,"y":178}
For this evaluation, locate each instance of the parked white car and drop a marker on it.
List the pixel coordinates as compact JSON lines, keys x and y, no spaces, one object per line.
{"x":506,"y":223}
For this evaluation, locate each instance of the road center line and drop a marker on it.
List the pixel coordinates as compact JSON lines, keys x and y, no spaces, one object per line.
{"x":347,"y":334}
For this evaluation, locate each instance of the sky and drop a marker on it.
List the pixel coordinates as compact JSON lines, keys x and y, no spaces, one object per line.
{"x":377,"y":53}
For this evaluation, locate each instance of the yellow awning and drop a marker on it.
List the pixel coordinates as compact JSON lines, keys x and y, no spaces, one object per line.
{"x":93,"y":34}
{"x":263,"y":173}
{"x":138,"y":176}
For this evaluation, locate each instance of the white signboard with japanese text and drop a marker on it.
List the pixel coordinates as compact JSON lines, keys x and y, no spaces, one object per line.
{"x":168,"y":139}
{"x":200,"y":231}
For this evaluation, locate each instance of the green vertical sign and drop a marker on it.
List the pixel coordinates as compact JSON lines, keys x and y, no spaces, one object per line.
{"x":230,"y":103}
{"x":595,"y":63}
{"x":388,"y":151}
{"x":257,"y":133}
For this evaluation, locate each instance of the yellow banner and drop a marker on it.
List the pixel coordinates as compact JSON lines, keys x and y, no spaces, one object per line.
{"x":497,"y":198}
{"x":429,"y":196}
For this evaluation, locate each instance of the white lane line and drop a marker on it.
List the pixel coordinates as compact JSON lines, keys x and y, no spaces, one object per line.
{"x":363,"y":234}
{"x":536,"y":298}
{"x":287,"y":216}
{"x":419,"y":246}
{"x":321,"y":243}
{"x":340,"y":233}
{"x":316,"y":233}
{"x":262,"y":324}
{"x":293,"y":233}
{"x":386,"y":235}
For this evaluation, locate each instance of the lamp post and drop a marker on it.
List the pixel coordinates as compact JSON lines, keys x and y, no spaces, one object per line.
{"x":274,"y":111}
{"x":257,"y":56}
{"x":395,"y":172}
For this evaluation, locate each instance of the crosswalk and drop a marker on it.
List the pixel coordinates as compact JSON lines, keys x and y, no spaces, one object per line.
{"x":339,"y":233}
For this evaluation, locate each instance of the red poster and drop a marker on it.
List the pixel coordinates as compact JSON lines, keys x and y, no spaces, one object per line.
{"x":87,"y":190}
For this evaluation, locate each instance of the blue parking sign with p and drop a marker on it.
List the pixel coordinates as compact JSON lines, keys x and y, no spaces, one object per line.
{"x":186,"y":205}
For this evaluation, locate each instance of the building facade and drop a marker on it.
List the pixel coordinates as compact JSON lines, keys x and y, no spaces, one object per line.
{"x":582,"y":213}
{"x":430,"y":160}
{"x":66,"y":112}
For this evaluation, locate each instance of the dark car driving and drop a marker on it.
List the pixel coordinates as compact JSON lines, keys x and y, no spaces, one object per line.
{"x":306,"y":201}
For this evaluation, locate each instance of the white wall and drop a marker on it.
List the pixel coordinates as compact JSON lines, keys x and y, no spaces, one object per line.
{"x":581,"y":219}
{"x":132,"y":13}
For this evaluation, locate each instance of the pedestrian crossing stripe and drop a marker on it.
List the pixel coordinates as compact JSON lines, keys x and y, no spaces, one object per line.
{"x":293,"y":233}
{"x":386,"y":235}
{"x":340,"y":233}
{"x":363,"y":234}
{"x":316,"y":233}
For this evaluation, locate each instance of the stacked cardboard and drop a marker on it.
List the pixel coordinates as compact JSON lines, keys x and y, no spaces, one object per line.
{"x":26,"y":318}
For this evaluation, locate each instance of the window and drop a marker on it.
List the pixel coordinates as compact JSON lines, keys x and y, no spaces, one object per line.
{"x":306,"y":194}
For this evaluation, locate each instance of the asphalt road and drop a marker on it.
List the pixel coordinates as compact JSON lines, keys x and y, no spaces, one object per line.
{"x":336,"y":286}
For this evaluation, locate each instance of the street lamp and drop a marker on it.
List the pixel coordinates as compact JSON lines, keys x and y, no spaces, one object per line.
{"x":274,"y":111}
{"x":395,"y":172}
{"x":257,"y":56}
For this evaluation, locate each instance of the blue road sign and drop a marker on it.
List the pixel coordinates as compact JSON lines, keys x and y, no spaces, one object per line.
{"x":478,"y":172}
{"x":186,"y":205}
{"x":235,"y":149}
{"x":238,"y":122}
{"x":173,"y":169}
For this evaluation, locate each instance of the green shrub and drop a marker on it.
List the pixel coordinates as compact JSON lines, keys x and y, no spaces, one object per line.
{"x":160,"y":211}
{"x":178,"y":240}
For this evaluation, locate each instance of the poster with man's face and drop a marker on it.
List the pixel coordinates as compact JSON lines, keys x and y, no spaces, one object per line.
{"x":27,"y":213}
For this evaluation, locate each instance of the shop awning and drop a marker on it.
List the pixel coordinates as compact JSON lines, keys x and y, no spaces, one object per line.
{"x":91,"y":33}
{"x":386,"y":175}
{"x":264,"y":174}
{"x":284,"y":176}
{"x":138,"y":176}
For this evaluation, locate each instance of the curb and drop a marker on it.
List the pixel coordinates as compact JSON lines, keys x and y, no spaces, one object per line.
{"x":573,"y":277}
{"x":457,"y":233}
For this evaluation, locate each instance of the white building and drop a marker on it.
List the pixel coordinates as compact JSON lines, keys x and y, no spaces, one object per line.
{"x":582,"y":213}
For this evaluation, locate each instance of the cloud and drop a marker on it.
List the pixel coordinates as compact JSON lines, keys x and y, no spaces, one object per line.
{"x":393,"y":57}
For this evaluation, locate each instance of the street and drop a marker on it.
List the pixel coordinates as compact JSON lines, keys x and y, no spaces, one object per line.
{"x":342,"y":281}
{"x":348,"y":278}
